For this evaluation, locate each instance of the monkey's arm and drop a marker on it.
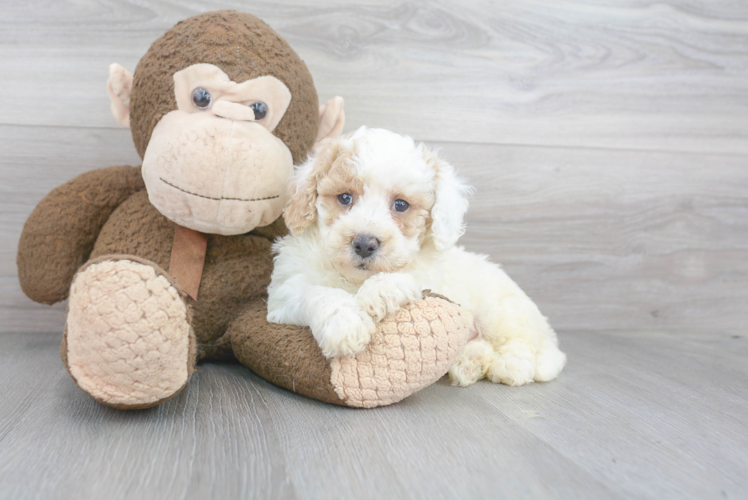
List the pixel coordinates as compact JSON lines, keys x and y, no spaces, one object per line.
{"x":61,"y":231}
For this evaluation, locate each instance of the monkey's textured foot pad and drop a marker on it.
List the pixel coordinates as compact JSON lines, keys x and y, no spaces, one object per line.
{"x":410,"y":350}
{"x":127,"y":338}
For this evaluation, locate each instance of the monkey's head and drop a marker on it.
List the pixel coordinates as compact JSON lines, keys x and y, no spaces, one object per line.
{"x":221,"y":109}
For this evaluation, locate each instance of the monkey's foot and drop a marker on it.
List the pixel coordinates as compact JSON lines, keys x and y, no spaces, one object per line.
{"x":128,"y":341}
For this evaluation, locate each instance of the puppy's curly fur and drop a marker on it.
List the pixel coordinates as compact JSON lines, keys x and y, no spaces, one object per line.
{"x":376,"y":189}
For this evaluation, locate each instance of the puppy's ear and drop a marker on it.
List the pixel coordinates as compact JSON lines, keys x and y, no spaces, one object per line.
{"x":450,"y":205}
{"x":301,"y":209}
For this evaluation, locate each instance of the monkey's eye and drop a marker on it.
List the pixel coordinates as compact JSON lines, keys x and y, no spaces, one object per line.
{"x":345,"y":199}
{"x":260,"y":109}
{"x":400,"y":205}
{"x":201,"y":98}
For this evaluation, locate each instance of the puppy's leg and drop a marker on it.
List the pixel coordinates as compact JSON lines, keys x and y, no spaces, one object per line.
{"x":338,"y":323}
{"x":525,"y":344}
{"x":472,"y":363}
{"x":525,"y":347}
{"x":385,"y":293}
{"x":550,"y":360}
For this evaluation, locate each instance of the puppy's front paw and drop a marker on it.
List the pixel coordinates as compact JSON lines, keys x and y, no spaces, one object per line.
{"x":347,"y":331}
{"x":275,"y":316}
{"x":385,"y":293}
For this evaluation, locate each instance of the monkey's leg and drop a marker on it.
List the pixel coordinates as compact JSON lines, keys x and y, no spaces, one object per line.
{"x":128,"y":341}
{"x":411,"y":349}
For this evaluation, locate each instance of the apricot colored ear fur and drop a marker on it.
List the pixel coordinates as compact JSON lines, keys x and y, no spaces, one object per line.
{"x":331,"y":119}
{"x":301,"y":210}
{"x":119,"y":87}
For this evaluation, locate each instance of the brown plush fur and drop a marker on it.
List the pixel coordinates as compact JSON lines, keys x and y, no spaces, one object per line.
{"x":106,"y":214}
{"x":287,"y":356}
{"x":241,"y":45}
{"x":237,"y":268}
{"x":61,"y":231}
{"x":232,"y":292}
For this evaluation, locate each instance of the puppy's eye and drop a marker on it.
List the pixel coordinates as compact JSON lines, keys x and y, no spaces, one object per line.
{"x":260,"y":109}
{"x":345,"y":199}
{"x":201,"y":98}
{"x":400,"y":205}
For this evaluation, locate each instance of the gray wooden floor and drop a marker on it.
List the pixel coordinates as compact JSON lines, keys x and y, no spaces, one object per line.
{"x":642,"y":415}
{"x":609,"y":144}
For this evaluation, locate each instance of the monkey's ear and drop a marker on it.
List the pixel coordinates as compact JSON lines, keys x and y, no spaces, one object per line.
{"x":331,"y":119}
{"x":119,"y":86}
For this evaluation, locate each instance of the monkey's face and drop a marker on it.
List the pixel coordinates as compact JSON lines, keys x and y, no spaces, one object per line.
{"x":213,"y":164}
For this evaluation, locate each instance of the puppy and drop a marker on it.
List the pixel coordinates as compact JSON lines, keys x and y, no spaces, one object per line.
{"x":374,"y":221}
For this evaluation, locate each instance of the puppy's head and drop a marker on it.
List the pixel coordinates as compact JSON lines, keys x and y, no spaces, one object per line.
{"x":377,"y":199}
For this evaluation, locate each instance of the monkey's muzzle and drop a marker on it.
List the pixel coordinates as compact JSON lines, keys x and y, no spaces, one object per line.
{"x":216,"y":175}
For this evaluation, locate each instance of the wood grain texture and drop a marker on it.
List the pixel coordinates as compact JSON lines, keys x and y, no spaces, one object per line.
{"x":615,"y":239}
{"x":609,"y":144}
{"x":634,"y":416}
{"x":643,"y":75}
{"x":601,"y":239}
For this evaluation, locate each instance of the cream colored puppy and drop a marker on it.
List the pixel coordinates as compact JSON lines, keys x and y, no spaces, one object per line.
{"x":375,"y":219}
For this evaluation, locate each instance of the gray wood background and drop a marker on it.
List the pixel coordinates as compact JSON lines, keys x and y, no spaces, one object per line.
{"x":609,"y":144}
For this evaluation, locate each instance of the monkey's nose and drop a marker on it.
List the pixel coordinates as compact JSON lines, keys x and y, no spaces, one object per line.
{"x":365,"y":245}
{"x":234,"y":111}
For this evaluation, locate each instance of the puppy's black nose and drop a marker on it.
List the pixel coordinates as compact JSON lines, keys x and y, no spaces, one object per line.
{"x":365,"y":245}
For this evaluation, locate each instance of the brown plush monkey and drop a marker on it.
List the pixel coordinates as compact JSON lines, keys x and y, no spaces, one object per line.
{"x":168,"y":263}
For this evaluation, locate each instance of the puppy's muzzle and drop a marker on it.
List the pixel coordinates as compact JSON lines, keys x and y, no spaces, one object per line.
{"x":365,"y":245}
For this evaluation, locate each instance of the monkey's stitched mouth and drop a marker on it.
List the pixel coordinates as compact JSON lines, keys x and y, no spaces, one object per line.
{"x":214,"y":198}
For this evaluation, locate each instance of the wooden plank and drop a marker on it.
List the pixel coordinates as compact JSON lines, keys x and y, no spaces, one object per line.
{"x":651,"y":414}
{"x":633,"y":416}
{"x":602,"y":239}
{"x":35,"y":160}
{"x":641,"y":75}
{"x":615,"y":239}
{"x":541,"y":104}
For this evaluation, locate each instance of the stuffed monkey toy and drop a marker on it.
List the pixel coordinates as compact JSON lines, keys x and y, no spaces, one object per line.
{"x":168,"y":263}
